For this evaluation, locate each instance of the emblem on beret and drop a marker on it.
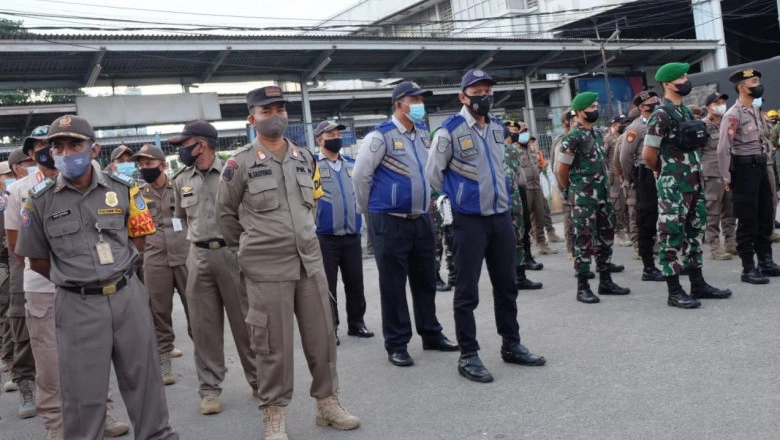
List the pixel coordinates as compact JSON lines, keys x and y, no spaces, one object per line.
{"x":748,"y":73}
{"x":65,"y":122}
{"x":478,"y":73}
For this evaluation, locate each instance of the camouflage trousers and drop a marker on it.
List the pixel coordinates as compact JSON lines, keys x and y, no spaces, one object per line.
{"x":594,"y":232}
{"x":443,"y":237}
{"x":682,"y":218}
{"x":518,"y":227}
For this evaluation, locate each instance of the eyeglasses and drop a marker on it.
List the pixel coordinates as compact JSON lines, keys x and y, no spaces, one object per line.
{"x":43,"y":130}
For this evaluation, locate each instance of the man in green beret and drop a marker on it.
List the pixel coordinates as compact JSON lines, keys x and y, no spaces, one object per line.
{"x":582,"y":172}
{"x":672,"y":149}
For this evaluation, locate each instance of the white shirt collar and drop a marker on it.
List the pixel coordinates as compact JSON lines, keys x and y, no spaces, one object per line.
{"x":468,"y":116}
{"x":399,"y":125}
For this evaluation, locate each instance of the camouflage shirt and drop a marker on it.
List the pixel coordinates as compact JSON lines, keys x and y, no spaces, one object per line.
{"x":680,"y":170}
{"x":582,"y":150}
{"x":774,"y":137}
{"x":514,"y":172}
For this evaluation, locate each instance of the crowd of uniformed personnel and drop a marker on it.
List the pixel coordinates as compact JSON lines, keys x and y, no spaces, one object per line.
{"x":92,"y":258}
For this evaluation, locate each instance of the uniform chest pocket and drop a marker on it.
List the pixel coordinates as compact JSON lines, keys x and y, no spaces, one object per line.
{"x":188,"y":200}
{"x":307,"y":189}
{"x":263,"y":194}
{"x":64,"y":237}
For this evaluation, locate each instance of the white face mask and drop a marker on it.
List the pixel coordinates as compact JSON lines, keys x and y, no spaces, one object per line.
{"x":719,"y":110}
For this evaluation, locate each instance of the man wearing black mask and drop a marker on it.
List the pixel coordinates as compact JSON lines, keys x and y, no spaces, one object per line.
{"x":165,"y":253}
{"x":338,"y":228}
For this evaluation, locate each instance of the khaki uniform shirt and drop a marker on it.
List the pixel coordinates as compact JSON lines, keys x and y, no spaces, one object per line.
{"x":167,"y":246}
{"x":59,"y":223}
{"x":195,"y":192}
{"x":529,"y":161}
{"x":740,"y":135}
{"x":265,"y":206}
{"x":709,"y":154}
{"x":631,"y":148}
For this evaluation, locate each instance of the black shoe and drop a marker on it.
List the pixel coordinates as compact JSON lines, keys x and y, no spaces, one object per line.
{"x":608,"y":287}
{"x":584,"y":294}
{"x":777,"y":224}
{"x":616,"y":268}
{"x":652,"y":274}
{"x":701,"y":290}
{"x":753,"y":276}
{"x":441,"y":344}
{"x":451,"y":279}
{"x":531,"y":264}
{"x":684,"y":272}
{"x":524,"y":283}
{"x":400,"y":358}
{"x":441,"y":286}
{"x":471,"y":368}
{"x":516,"y":353}
{"x":768,"y":267}
{"x":677,"y":296}
{"x":360,"y":332}
{"x":590,"y":275}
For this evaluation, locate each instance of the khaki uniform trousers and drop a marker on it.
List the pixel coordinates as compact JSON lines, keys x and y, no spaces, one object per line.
{"x":720,"y":211}
{"x":162,"y":280}
{"x":536,"y":208}
{"x":214,"y":289}
{"x":621,"y":209}
{"x":633,"y":232}
{"x":6,"y":337}
{"x":94,"y":330}
{"x":273,"y":307}
{"x":23,"y":367}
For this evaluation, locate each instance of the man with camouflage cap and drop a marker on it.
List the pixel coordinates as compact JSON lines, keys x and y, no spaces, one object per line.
{"x":672,"y":149}
{"x":582,"y":171}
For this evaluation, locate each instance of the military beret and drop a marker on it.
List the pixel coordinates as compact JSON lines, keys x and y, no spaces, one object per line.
{"x":583,"y":100}
{"x":671,"y":71}
{"x":740,"y":75}
{"x":644,"y":96}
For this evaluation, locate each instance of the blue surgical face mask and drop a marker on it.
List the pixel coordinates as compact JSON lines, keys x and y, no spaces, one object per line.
{"x":524,"y":137}
{"x":32,"y":170}
{"x":757,"y":102}
{"x":416,"y":112}
{"x":73,"y":166}
{"x":125,"y":168}
{"x":9,"y":182}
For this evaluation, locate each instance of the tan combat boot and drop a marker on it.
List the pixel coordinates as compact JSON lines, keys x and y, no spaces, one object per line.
{"x":209,"y":403}
{"x":621,"y":239}
{"x":115,"y":428}
{"x":330,"y":412}
{"x":55,"y":433}
{"x":570,"y":256}
{"x":175,"y":353}
{"x":552,"y":237}
{"x":544,"y":249}
{"x":717,"y":252}
{"x":731,"y":246}
{"x":27,"y":399}
{"x":166,"y":369}
{"x":636,"y":252}
{"x":275,"y":422}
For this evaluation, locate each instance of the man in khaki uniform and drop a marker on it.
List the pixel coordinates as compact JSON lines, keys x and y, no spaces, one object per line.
{"x":6,"y":336}
{"x":719,"y":207}
{"x":214,"y":286}
{"x":617,"y":126}
{"x":529,"y":160}
{"x":165,"y":254}
{"x":81,"y":230}
{"x":265,"y":207}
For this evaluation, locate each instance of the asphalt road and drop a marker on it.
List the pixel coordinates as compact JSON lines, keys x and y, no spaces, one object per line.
{"x":627,"y":368}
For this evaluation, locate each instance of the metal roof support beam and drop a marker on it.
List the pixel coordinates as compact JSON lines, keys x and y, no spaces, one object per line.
{"x":502,"y":100}
{"x":530,"y":119}
{"x":212,"y":68}
{"x":697,"y":57}
{"x":542,"y":61}
{"x":344,"y":104}
{"x":408,"y":59}
{"x":320,"y":63}
{"x":306,"y":107}
{"x":27,"y":121}
{"x":484,"y":59}
{"x":94,"y":69}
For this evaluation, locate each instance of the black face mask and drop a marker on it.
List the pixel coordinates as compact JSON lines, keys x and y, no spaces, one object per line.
{"x":592,"y":116}
{"x":150,"y":174}
{"x":514,"y":137}
{"x":684,"y":89}
{"x":333,"y":145}
{"x":756,"y":91}
{"x":652,"y":107}
{"x":621,"y":129}
{"x":186,"y":157}
{"x":43,"y":158}
{"x":480,"y":105}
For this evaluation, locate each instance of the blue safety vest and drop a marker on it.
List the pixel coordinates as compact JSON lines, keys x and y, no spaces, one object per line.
{"x":336,"y":210}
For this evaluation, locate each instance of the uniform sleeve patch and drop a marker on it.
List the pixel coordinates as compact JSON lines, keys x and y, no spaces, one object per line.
{"x":230,"y":170}
{"x":442,"y":144}
{"x":733,"y":123}
{"x":631,"y":135}
{"x":375,"y":144}
{"x":26,"y":217}
{"x":139,"y":202}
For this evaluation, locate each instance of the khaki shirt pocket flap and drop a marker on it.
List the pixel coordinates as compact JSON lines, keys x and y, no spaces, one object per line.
{"x":59,"y":229}
{"x":190,"y":199}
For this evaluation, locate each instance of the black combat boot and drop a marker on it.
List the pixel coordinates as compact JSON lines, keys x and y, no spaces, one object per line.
{"x":531,"y":264}
{"x":584,"y":294}
{"x":608,"y":287}
{"x":590,"y":274}
{"x":677,"y":296}
{"x":441,"y":286}
{"x":616,"y":268}
{"x":768,"y":267}
{"x":750,"y":273}
{"x":524,"y":283}
{"x":451,"y":277}
{"x":701,"y":290}
{"x":650,"y":272}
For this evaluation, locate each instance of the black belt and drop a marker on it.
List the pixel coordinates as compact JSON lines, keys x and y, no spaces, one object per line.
{"x":407,"y":216}
{"x":107,"y":290}
{"x":753,"y":159}
{"x":211,"y":244}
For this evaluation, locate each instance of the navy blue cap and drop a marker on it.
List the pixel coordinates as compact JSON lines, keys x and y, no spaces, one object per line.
{"x":326,"y":126}
{"x":475,"y":76}
{"x":409,"y":88}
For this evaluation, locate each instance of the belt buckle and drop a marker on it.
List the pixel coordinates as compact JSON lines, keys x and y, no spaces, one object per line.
{"x":214,"y":245}
{"x":109,"y":290}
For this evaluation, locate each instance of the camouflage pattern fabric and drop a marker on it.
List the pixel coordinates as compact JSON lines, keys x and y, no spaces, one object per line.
{"x":592,"y":211}
{"x":682,"y":211}
{"x":512,"y":167}
{"x":443,"y":236}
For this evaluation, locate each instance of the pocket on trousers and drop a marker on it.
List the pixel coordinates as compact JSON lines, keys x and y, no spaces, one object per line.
{"x":258,"y":331}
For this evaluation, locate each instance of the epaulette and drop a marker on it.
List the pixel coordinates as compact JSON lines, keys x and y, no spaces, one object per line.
{"x":241,"y":149}
{"x":181,"y":170}
{"x":121,"y":178}
{"x":41,"y":188}
{"x":451,"y":123}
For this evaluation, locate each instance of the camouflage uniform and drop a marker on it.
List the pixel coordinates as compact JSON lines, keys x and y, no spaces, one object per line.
{"x":443,"y":236}
{"x":515,"y":180}
{"x":588,"y":195}
{"x":682,"y":213}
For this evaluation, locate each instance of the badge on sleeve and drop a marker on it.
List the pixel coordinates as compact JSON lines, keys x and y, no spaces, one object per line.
{"x":139,"y":202}
{"x":631,"y":135}
{"x":26,"y":217}
{"x":442,"y":144}
{"x":230,"y":170}
{"x":111,"y":199}
{"x":733,"y":123}
{"x":375,"y":144}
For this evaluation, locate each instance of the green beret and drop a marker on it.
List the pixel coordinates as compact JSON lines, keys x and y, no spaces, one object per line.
{"x":583,"y":100}
{"x":671,"y":71}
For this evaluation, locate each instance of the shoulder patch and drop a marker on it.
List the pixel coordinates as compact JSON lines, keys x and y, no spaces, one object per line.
{"x":733,"y":124}
{"x":181,"y":170}
{"x":128,"y":181}
{"x":375,"y":144}
{"x":41,"y":188}
{"x":630,"y":135}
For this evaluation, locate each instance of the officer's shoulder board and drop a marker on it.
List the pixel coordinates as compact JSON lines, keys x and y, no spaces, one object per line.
{"x":238,"y":150}
{"x":121,"y":178}
{"x":41,"y":188}
{"x":453,"y":122}
{"x":386,"y":127}
{"x":422,"y":126}
{"x":181,"y":170}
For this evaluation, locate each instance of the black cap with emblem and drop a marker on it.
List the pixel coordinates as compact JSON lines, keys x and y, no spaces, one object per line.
{"x":264,"y":96}
{"x":714,"y":97}
{"x":72,"y":127}
{"x":741,"y":75}
{"x":198,"y":128}
{"x":643,"y":96}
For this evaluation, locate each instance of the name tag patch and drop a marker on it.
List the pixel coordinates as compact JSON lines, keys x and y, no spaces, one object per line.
{"x":108,"y":211}
{"x":260,"y":173}
{"x":60,"y":214}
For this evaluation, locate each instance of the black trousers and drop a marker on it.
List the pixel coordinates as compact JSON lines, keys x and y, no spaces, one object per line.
{"x":405,"y":248}
{"x":646,"y":214}
{"x":344,"y":252}
{"x":492,"y":239}
{"x":752,"y":198}
{"x":526,"y":225}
